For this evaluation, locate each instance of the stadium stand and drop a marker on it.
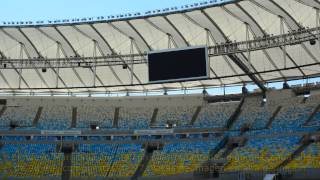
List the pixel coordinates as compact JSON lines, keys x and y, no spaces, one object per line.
{"x":261,"y":154}
{"x":309,"y":158}
{"x":266,"y":152}
{"x":98,"y":115}
{"x":135,"y":118}
{"x":254,"y":114}
{"x":21,"y":115}
{"x":31,"y":160}
{"x":179,"y":158}
{"x":124,"y":128}
{"x":116,"y":160}
{"x":220,"y":112}
{"x":55,"y":117}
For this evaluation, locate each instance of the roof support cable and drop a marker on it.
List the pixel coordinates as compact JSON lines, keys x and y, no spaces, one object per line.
{"x":248,"y":48}
{"x":169,"y":41}
{"x":132,"y":60}
{"x":20,"y":70}
{"x":58,"y":69}
{"x":208,"y":44}
{"x":207,"y":37}
{"x":94,"y":55}
{"x":318,"y":24}
{"x":284,"y":46}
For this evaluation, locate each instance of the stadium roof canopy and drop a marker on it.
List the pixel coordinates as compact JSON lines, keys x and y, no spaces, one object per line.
{"x":24,"y":47}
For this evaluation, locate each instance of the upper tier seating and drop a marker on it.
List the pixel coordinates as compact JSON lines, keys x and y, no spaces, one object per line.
{"x":21,"y":115}
{"x":135,"y":118}
{"x":293,"y":114}
{"x":55,"y":117}
{"x":253,"y":114}
{"x":315,"y":100}
{"x":215,"y":115}
{"x":180,"y":115}
{"x":99,"y":115}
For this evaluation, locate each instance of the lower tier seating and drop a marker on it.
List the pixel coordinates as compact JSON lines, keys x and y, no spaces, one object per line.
{"x":122,"y":160}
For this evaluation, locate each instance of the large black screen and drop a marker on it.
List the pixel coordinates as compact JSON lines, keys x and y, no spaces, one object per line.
{"x":175,"y":65}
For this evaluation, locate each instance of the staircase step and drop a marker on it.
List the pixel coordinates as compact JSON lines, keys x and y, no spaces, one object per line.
{"x":3,"y":109}
{"x":154,"y":116}
{"x":235,"y":115}
{"x":37,"y":117}
{"x":315,"y":111}
{"x":116,"y":118}
{"x":274,"y":115}
{"x":296,"y":153}
{"x":74,"y":117}
{"x":195,"y":115}
{"x":143,"y":165}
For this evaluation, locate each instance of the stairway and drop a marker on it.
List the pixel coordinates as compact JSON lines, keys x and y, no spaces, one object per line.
{"x":226,"y":152}
{"x":235,"y":115}
{"x":66,"y":166}
{"x":315,"y":111}
{"x":143,"y":164}
{"x":74,"y":118}
{"x":113,"y":159}
{"x":37,"y":117}
{"x":274,"y":115}
{"x":195,"y":115}
{"x":296,"y":153}
{"x":154,"y":116}
{"x":3,"y":109}
{"x":220,"y":146}
{"x":116,"y":118}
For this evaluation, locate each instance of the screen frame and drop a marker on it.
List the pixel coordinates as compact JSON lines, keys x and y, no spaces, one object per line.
{"x":181,"y":79}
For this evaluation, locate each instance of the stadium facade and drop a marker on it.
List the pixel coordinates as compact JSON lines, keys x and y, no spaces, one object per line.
{"x":268,"y":133}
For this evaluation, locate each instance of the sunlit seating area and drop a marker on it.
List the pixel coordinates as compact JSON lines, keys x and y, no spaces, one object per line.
{"x":309,"y":158}
{"x":30,"y":160}
{"x":261,"y":154}
{"x":179,"y":158}
{"x":106,"y":160}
